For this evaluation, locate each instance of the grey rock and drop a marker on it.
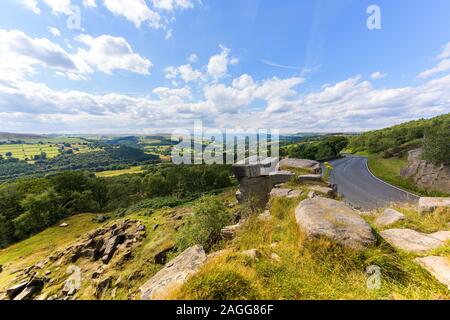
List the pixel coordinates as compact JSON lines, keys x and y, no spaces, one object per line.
{"x":329,"y":192}
{"x":311,"y":165}
{"x":102,"y":286}
{"x":294,"y":194}
{"x":254,"y":254}
{"x":439,"y":267}
{"x":32,"y":288}
{"x":255,"y":166}
{"x":174,"y":274}
{"x":309,"y":178}
{"x":322,"y":217}
{"x":265,"y":216}
{"x":279,"y":177}
{"x":428,"y":205}
{"x":388,"y":217}
{"x":229,"y":232}
{"x":279,"y":192}
{"x":275,"y":257}
{"x":413,"y":241}
{"x":64,"y":225}
{"x":15,"y":290}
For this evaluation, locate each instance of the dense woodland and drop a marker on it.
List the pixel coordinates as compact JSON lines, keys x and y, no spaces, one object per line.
{"x":28,"y":206}
{"x":432,"y":134}
{"x":317,"y":149}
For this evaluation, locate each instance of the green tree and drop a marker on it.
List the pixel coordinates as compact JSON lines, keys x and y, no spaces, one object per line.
{"x":436,"y":145}
{"x":203,"y":227}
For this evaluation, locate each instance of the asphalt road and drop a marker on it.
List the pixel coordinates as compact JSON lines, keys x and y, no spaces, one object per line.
{"x":360,"y":188}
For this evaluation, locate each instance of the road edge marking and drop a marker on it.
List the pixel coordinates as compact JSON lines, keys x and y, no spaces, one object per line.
{"x":368,"y":169}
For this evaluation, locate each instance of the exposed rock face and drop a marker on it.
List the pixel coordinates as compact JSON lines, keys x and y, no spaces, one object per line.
{"x":280,"y":177}
{"x":26,"y":290}
{"x":426,"y":175}
{"x":388,"y":217}
{"x":439,"y":267}
{"x":322,"y":217}
{"x":174,"y":274}
{"x":428,"y":205}
{"x":229,"y":232}
{"x":413,"y":241}
{"x":285,"y":193}
{"x":311,"y":165}
{"x":254,"y":167}
{"x":329,"y":192}
{"x":255,"y":189}
{"x":310,"y":177}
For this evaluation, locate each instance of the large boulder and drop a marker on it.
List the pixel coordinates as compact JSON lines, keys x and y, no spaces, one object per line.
{"x":279,"y":177}
{"x":427,"y":205}
{"x":311,"y":165}
{"x":388,"y":217}
{"x":439,"y":267}
{"x":322,"y":217}
{"x":413,"y":241}
{"x":174,"y":274}
{"x":253,"y":167}
{"x":427,"y":175}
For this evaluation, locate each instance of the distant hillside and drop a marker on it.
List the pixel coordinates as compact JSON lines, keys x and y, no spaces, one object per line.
{"x":396,"y":140}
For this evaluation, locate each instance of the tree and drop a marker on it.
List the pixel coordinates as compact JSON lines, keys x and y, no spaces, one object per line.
{"x":436,"y":145}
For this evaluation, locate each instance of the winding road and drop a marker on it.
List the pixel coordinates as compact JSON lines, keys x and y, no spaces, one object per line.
{"x":360,"y":188}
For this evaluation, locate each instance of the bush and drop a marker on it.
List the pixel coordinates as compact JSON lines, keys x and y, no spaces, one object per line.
{"x":203,"y":227}
{"x":436,"y":145}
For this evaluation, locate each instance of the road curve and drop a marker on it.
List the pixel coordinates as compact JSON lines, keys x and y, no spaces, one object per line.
{"x":360,"y":188}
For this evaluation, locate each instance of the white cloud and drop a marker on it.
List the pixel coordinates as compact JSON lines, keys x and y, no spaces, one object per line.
{"x":445,"y":52}
{"x":31,"y":5}
{"x":350,"y":105}
{"x":107,"y":53}
{"x":135,"y":11}
{"x":193,"y":58}
{"x":218,"y":64}
{"x":378,"y":75}
{"x":26,"y":51}
{"x":185,"y":72}
{"x":54,"y":31}
{"x":442,"y":66}
{"x":170,"y":5}
{"x":104,"y":53}
{"x":90,"y":3}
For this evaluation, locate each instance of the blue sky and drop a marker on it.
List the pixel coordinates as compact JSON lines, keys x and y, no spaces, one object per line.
{"x":142,"y":66}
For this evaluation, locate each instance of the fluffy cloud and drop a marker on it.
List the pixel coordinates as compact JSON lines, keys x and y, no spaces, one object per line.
{"x":107,"y":53}
{"x":170,"y":5}
{"x":90,"y":3}
{"x":218,"y":64}
{"x":378,"y":75}
{"x":135,"y":11}
{"x":25,"y":52}
{"x":54,"y":31}
{"x":57,"y":6}
{"x":349,"y":105}
{"x":104,"y":53}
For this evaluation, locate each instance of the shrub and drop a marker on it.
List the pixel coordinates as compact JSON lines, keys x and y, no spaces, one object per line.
{"x":203,"y":227}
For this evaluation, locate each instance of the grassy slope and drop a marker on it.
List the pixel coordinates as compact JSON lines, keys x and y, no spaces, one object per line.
{"x":307,"y":270}
{"x":389,"y":171}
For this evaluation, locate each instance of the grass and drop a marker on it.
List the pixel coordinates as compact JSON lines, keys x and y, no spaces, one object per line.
{"x":114,"y":173}
{"x":389,"y":171}
{"x":40,"y":246}
{"x":317,"y":269}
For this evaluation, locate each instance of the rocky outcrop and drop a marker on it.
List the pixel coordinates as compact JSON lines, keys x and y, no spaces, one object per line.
{"x":310,"y":165}
{"x":413,"y":241}
{"x":174,"y":274}
{"x":428,"y":205}
{"x":439,"y":267}
{"x":310,"y":178}
{"x":25,"y":290}
{"x":322,"y":217}
{"x":388,"y":217}
{"x":427,"y":175}
{"x":329,"y":192}
{"x":285,"y":193}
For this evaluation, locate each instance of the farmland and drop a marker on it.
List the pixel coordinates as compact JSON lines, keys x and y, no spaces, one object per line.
{"x":28,"y":151}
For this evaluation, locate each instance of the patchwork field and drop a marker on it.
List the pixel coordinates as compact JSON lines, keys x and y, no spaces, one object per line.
{"x":114,"y":173}
{"x":28,"y":151}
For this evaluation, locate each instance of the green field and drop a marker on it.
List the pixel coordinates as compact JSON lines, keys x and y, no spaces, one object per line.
{"x":28,"y":151}
{"x":114,"y":173}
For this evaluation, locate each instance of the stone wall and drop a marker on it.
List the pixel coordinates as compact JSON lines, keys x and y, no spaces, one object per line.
{"x":426,"y":175}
